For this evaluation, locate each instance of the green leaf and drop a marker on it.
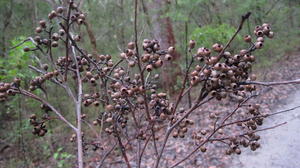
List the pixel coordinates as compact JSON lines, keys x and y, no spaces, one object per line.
{"x":56,"y":156}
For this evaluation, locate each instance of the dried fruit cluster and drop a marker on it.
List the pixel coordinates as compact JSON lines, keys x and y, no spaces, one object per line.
{"x":127,"y":93}
{"x":39,"y":128}
{"x":224,"y":76}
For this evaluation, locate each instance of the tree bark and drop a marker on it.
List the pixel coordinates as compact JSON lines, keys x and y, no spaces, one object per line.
{"x":163,"y":32}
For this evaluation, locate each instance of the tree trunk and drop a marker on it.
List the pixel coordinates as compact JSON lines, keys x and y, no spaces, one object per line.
{"x":163,"y":32}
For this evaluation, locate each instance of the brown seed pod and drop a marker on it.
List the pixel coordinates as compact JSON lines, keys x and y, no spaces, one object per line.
{"x":45,"y":41}
{"x":131,"y":45}
{"x":238,"y":151}
{"x":77,"y":38}
{"x":95,"y":123}
{"x":96,"y":103}
{"x":80,"y":21}
{"x":52,"y":14}
{"x":270,"y":34}
{"x":195,"y":80}
{"x":81,"y":16}
{"x":162,"y":116}
{"x":60,"y":9}
{"x":123,"y":55}
{"x":194,"y":73}
{"x":175,"y":134}
{"x":218,"y":66}
{"x":217,"y":47}
{"x":89,"y":74}
{"x":110,"y":64}
{"x":83,"y":116}
{"x":38,"y":30}
{"x":55,"y":36}
{"x":145,"y":57}
{"x":198,"y":68}
{"x":260,"y":39}
{"x":54,"y":44}
{"x":108,"y":120}
{"x":266,"y":29}
{"x":227,"y":54}
{"x":61,"y":32}
{"x":203,"y":132}
{"x":192,"y":44}
{"x":149,"y":67}
{"x":109,"y":107}
{"x":265,"y":25}
{"x":33,"y":116}
{"x":162,"y":95}
{"x":158,"y":63}
{"x":184,"y":129}
{"x":171,"y":50}
{"x":203,"y":149}
{"x":37,"y":39}
{"x":243,"y":52}
{"x":247,"y":39}
{"x":42,"y":23}
{"x":131,"y":63}
{"x":259,"y":33}
{"x":206,"y":72}
{"x":212,"y":60}
{"x":26,"y":49}
{"x":258,"y":45}
{"x":168,"y":57}
{"x":101,"y":57}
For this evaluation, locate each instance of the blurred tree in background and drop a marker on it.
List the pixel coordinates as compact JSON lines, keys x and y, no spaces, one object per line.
{"x":109,"y":23}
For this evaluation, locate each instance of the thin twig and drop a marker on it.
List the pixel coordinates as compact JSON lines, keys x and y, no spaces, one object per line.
{"x":31,"y":95}
{"x":244,"y":18}
{"x":142,"y":74}
{"x":296,"y":81}
{"x":106,"y":155}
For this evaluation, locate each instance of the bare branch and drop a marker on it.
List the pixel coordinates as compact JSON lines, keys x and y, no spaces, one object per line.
{"x":296,"y":81}
{"x":31,"y":95}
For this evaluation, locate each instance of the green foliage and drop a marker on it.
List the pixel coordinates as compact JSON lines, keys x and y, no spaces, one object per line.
{"x":62,"y":158}
{"x":208,"y":35}
{"x":183,"y":9}
{"x":17,"y":61}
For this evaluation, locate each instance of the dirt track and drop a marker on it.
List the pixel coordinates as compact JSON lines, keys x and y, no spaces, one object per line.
{"x":280,"y":146}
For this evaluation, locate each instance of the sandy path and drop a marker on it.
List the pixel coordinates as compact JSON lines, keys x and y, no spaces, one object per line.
{"x":280,"y":146}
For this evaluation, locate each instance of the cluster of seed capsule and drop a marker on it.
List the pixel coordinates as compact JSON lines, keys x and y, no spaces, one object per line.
{"x":224,"y":75}
{"x":126,"y":90}
{"x":225,"y":72}
{"x":160,"y":105}
{"x":89,"y":99}
{"x":6,"y":89}
{"x":254,"y":111}
{"x":39,"y":127}
{"x":153,"y":56}
{"x":250,"y":139}
{"x":50,"y":38}
{"x":182,"y":128}
{"x":39,"y":80}
{"x":92,"y":74}
{"x":235,"y":143}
